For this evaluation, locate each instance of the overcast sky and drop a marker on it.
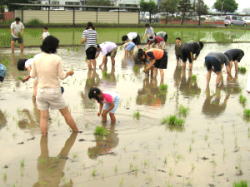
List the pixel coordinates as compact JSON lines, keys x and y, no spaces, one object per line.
{"x":242,"y":3}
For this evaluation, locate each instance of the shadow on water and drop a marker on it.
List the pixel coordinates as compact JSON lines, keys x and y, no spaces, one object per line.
{"x":104,"y":144}
{"x":151,"y":94}
{"x":50,"y":169}
{"x":188,"y":85}
{"x":214,"y":105}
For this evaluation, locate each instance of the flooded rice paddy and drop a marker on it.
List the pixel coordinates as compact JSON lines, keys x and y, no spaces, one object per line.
{"x":211,"y":149}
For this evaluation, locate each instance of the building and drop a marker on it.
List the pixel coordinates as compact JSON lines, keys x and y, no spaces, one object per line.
{"x":61,"y":2}
{"x":130,"y":3}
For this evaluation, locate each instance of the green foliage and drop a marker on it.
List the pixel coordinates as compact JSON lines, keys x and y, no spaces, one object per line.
{"x":240,"y":184}
{"x":200,"y":7}
{"x":169,"y":6}
{"x":226,"y":5}
{"x":137,"y":115}
{"x":163,"y":87}
{"x":184,"y":6}
{"x":242,"y":70}
{"x":101,"y":131}
{"x":173,"y":121}
{"x":99,"y":2}
{"x":5,"y":61}
{"x":247,"y":114}
{"x":35,"y":22}
{"x":183,"y":111}
{"x":242,"y":99}
{"x":148,"y":6}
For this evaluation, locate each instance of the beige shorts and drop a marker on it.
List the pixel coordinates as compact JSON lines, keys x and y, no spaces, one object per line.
{"x":50,"y":98}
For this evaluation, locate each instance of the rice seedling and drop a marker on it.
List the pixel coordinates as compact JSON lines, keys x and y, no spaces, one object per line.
{"x":5,"y":61}
{"x":183,"y":111}
{"x":242,"y":70}
{"x":173,"y":121}
{"x":137,"y":115}
{"x":22,"y":164}
{"x":94,"y":173}
{"x":163,"y":87}
{"x":242,"y":99}
{"x":240,"y":184}
{"x":101,"y":131}
{"x":116,"y":169}
{"x":136,"y":69}
{"x":193,"y":78}
{"x":5,"y":177}
{"x":247,"y":114}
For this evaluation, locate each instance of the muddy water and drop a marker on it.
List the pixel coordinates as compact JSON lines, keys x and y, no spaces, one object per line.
{"x":213,"y":148}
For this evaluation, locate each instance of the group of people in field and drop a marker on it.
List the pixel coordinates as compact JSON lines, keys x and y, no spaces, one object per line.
{"x":46,"y":68}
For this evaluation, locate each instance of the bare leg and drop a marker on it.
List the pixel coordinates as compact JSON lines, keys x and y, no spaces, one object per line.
{"x":236,"y":67}
{"x":44,"y":116}
{"x":104,"y":116}
{"x":68,"y":118}
{"x":113,"y":61}
{"x":218,"y":79}
{"x":190,"y":66}
{"x":35,"y":88}
{"x":208,"y":77}
{"x":162,"y":75}
{"x":21,"y":47}
{"x":183,"y":65}
{"x":104,"y":62}
{"x":93,"y":62}
{"x":12,"y":45}
{"x":112,"y":118}
{"x":89,"y":64}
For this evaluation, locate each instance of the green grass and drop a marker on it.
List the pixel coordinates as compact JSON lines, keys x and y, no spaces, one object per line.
{"x":183,"y":111}
{"x":240,"y":184}
{"x":247,"y":114}
{"x":163,"y":87}
{"x":137,"y":115}
{"x":5,"y":61}
{"x":71,"y":36}
{"x":173,"y":121}
{"x":101,"y":131}
{"x":242,"y":70}
{"x":242,"y":99}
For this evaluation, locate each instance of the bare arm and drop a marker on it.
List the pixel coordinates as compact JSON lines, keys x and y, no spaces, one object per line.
{"x":150,"y":65}
{"x":100,"y":109}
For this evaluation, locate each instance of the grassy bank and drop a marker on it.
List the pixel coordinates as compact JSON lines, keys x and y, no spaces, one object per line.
{"x":71,"y":36}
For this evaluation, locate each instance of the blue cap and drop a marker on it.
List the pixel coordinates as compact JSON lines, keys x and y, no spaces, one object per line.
{"x":2,"y":72}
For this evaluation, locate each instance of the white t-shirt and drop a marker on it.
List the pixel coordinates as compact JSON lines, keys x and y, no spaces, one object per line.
{"x":107,"y":47}
{"x":17,"y":28}
{"x":149,"y":31}
{"x":30,"y":61}
{"x":45,"y":34}
{"x":132,"y":35}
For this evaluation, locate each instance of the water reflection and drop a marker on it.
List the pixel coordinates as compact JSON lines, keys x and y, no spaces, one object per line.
{"x":108,"y":78}
{"x":104,"y":144}
{"x":50,"y":169}
{"x":233,"y":87}
{"x":151,"y":94}
{"x":188,"y":85}
{"x":3,"y":120}
{"x":212,"y":106}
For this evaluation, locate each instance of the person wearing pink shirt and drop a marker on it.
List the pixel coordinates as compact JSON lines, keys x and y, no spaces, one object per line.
{"x":109,"y":102}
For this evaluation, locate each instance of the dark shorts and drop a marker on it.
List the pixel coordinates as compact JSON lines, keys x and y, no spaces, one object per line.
{"x":91,"y":53}
{"x":19,"y":40}
{"x":239,"y":57}
{"x":163,"y":62}
{"x":213,"y":64}
{"x":185,"y":53}
{"x":137,"y":40}
{"x":178,"y":57}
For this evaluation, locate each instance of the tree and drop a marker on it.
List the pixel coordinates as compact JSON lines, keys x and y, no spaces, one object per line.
{"x":99,"y":2}
{"x":200,"y":8}
{"x":169,"y":6}
{"x":184,"y":7}
{"x":148,"y":7}
{"x":226,"y":5}
{"x":11,"y":7}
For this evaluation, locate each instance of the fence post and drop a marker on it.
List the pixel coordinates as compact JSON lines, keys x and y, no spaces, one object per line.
{"x":138,"y":13}
{"x":22,"y":16}
{"x":73,"y":16}
{"x":96,"y":15}
{"x":48,"y":14}
{"x":118,"y":15}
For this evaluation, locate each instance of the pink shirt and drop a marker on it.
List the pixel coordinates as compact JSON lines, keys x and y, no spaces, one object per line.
{"x":108,"y":97}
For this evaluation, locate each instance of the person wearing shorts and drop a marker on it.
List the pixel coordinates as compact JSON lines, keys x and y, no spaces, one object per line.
{"x":234,"y":56}
{"x":178,"y":46}
{"x":108,"y":49}
{"x":214,"y":62}
{"x":17,"y":29}
{"x":108,"y":101}
{"x":163,"y":34}
{"x":129,"y":48}
{"x":89,"y":37}
{"x":156,"y":42}
{"x":190,"y":52}
{"x":132,"y":36}
{"x":158,"y":60}
{"x":149,"y":32}
{"x":48,"y":69}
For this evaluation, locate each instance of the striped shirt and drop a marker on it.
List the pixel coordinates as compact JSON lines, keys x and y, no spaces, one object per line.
{"x":91,"y":37}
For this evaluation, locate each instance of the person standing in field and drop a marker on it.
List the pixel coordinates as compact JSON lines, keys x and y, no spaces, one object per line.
{"x":45,"y":33}
{"x":178,"y":45}
{"x":48,"y":69}
{"x":17,"y":29}
{"x":149,"y":32}
{"x":89,"y":37}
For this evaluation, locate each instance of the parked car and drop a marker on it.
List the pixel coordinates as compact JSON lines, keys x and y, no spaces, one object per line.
{"x":247,"y":20}
{"x":234,"y":20}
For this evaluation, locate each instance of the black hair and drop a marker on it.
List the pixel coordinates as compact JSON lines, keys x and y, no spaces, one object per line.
{"x":50,"y":44}
{"x":46,"y":28}
{"x":17,"y":19}
{"x":1,"y":79}
{"x":90,"y":25}
{"x":140,"y":54}
{"x":94,"y":94}
{"x":201,"y":45}
{"x":178,"y":38}
{"x":21,"y":64}
{"x":147,"y":25}
{"x":98,"y":46}
{"x":124,"y":38}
